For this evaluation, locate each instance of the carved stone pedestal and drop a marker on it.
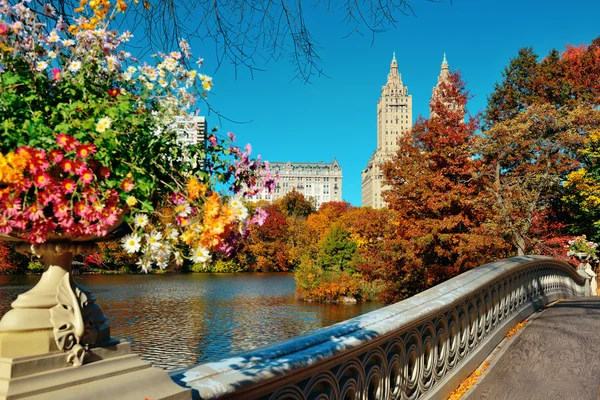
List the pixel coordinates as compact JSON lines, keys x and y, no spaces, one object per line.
{"x":55,"y":342}
{"x":111,"y":372}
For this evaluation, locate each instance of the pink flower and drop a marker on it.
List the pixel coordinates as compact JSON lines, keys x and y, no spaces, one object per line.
{"x":12,"y":206}
{"x":80,"y":167}
{"x":231,"y":136}
{"x":41,"y":179}
{"x":3,"y":28}
{"x":68,"y":185}
{"x":127,"y":185}
{"x":67,"y":223}
{"x":67,"y":142}
{"x":178,"y":198}
{"x":86,"y":176}
{"x":5,"y":225}
{"x":39,"y":161}
{"x":67,"y":165}
{"x":62,"y":139}
{"x":61,"y":210}
{"x":34,"y":212}
{"x":82,"y":209}
{"x":56,"y":74}
{"x":55,"y":156}
{"x":90,"y":195}
{"x":46,"y":196}
{"x":85,"y":150}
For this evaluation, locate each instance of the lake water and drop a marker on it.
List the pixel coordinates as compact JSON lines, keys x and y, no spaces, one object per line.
{"x":175,"y":321}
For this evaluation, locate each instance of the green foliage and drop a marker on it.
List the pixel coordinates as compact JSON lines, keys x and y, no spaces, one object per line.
{"x":337,"y":250}
{"x":35,"y":267}
{"x":114,"y":257}
{"x":219,"y":266}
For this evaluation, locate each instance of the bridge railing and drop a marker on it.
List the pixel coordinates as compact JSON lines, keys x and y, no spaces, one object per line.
{"x":422,"y":347}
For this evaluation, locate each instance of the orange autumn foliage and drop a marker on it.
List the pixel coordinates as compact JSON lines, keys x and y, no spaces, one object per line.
{"x":469,"y":382}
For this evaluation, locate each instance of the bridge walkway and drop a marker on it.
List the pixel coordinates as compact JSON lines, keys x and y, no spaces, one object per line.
{"x":555,"y":356}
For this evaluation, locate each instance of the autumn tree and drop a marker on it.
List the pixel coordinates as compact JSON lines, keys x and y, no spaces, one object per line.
{"x":536,"y":121}
{"x":443,"y":212}
{"x":295,"y":205}
{"x":266,"y":248}
{"x":11,"y":262}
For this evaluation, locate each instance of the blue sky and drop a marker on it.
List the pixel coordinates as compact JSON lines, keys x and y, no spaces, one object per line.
{"x":335,"y":116}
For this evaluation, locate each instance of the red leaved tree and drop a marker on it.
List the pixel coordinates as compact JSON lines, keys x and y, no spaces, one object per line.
{"x":444,"y":225}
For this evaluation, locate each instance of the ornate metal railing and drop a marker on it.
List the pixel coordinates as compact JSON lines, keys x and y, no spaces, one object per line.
{"x":422,"y":347}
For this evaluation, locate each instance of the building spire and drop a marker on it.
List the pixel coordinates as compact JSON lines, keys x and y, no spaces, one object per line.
{"x":393,"y":75}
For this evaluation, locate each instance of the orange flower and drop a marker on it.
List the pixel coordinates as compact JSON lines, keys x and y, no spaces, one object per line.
{"x":195,"y":189}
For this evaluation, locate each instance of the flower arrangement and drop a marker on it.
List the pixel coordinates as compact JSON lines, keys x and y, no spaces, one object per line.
{"x":580,"y":245}
{"x":90,"y":141}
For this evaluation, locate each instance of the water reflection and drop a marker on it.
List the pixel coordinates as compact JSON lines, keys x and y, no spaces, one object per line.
{"x":178,"y":320}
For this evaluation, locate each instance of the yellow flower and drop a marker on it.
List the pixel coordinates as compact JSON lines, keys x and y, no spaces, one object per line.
{"x":131,"y":201}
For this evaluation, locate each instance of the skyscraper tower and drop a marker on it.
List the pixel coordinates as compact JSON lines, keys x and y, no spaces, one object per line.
{"x":436,"y":92}
{"x":394,"y":118}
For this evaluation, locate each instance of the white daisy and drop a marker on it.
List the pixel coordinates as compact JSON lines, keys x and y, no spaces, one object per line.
{"x":75,"y":66}
{"x":241,"y":213}
{"x":235,"y":203}
{"x":53,"y":37}
{"x":140,"y":220}
{"x":145,"y":264}
{"x":178,"y":257}
{"x":41,"y":65}
{"x":183,"y":209}
{"x":131,"y":243}
{"x":171,"y":232}
{"x":103,"y":124}
{"x":153,"y":239}
{"x":200,"y":255}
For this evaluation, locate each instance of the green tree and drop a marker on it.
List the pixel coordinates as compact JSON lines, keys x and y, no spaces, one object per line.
{"x":337,"y":249}
{"x":536,"y":122}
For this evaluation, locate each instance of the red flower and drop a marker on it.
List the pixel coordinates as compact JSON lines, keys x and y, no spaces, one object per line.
{"x":114,"y":92}
{"x":127,"y":185}
{"x":56,"y":156}
{"x":87,"y":176}
{"x":68,"y":185}
{"x":67,"y":165}
{"x":56,"y":74}
{"x":41,"y":179}
{"x":104,"y":172}
{"x":85,"y":150}
{"x":67,"y":142}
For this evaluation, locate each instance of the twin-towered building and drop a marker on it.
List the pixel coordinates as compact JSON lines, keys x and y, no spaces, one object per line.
{"x":394,"y":119}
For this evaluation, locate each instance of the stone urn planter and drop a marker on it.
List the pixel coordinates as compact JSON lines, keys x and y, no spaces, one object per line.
{"x":585,"y":268}
{"x":55,"y":341}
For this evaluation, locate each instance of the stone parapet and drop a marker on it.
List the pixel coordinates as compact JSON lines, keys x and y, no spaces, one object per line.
{"x":422,"y":347}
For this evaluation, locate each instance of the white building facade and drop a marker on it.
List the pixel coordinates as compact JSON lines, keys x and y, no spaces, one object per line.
{"x":318,"y":181}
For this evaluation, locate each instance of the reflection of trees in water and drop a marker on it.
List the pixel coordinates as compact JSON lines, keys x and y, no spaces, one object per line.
{"x":178,"y":320}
